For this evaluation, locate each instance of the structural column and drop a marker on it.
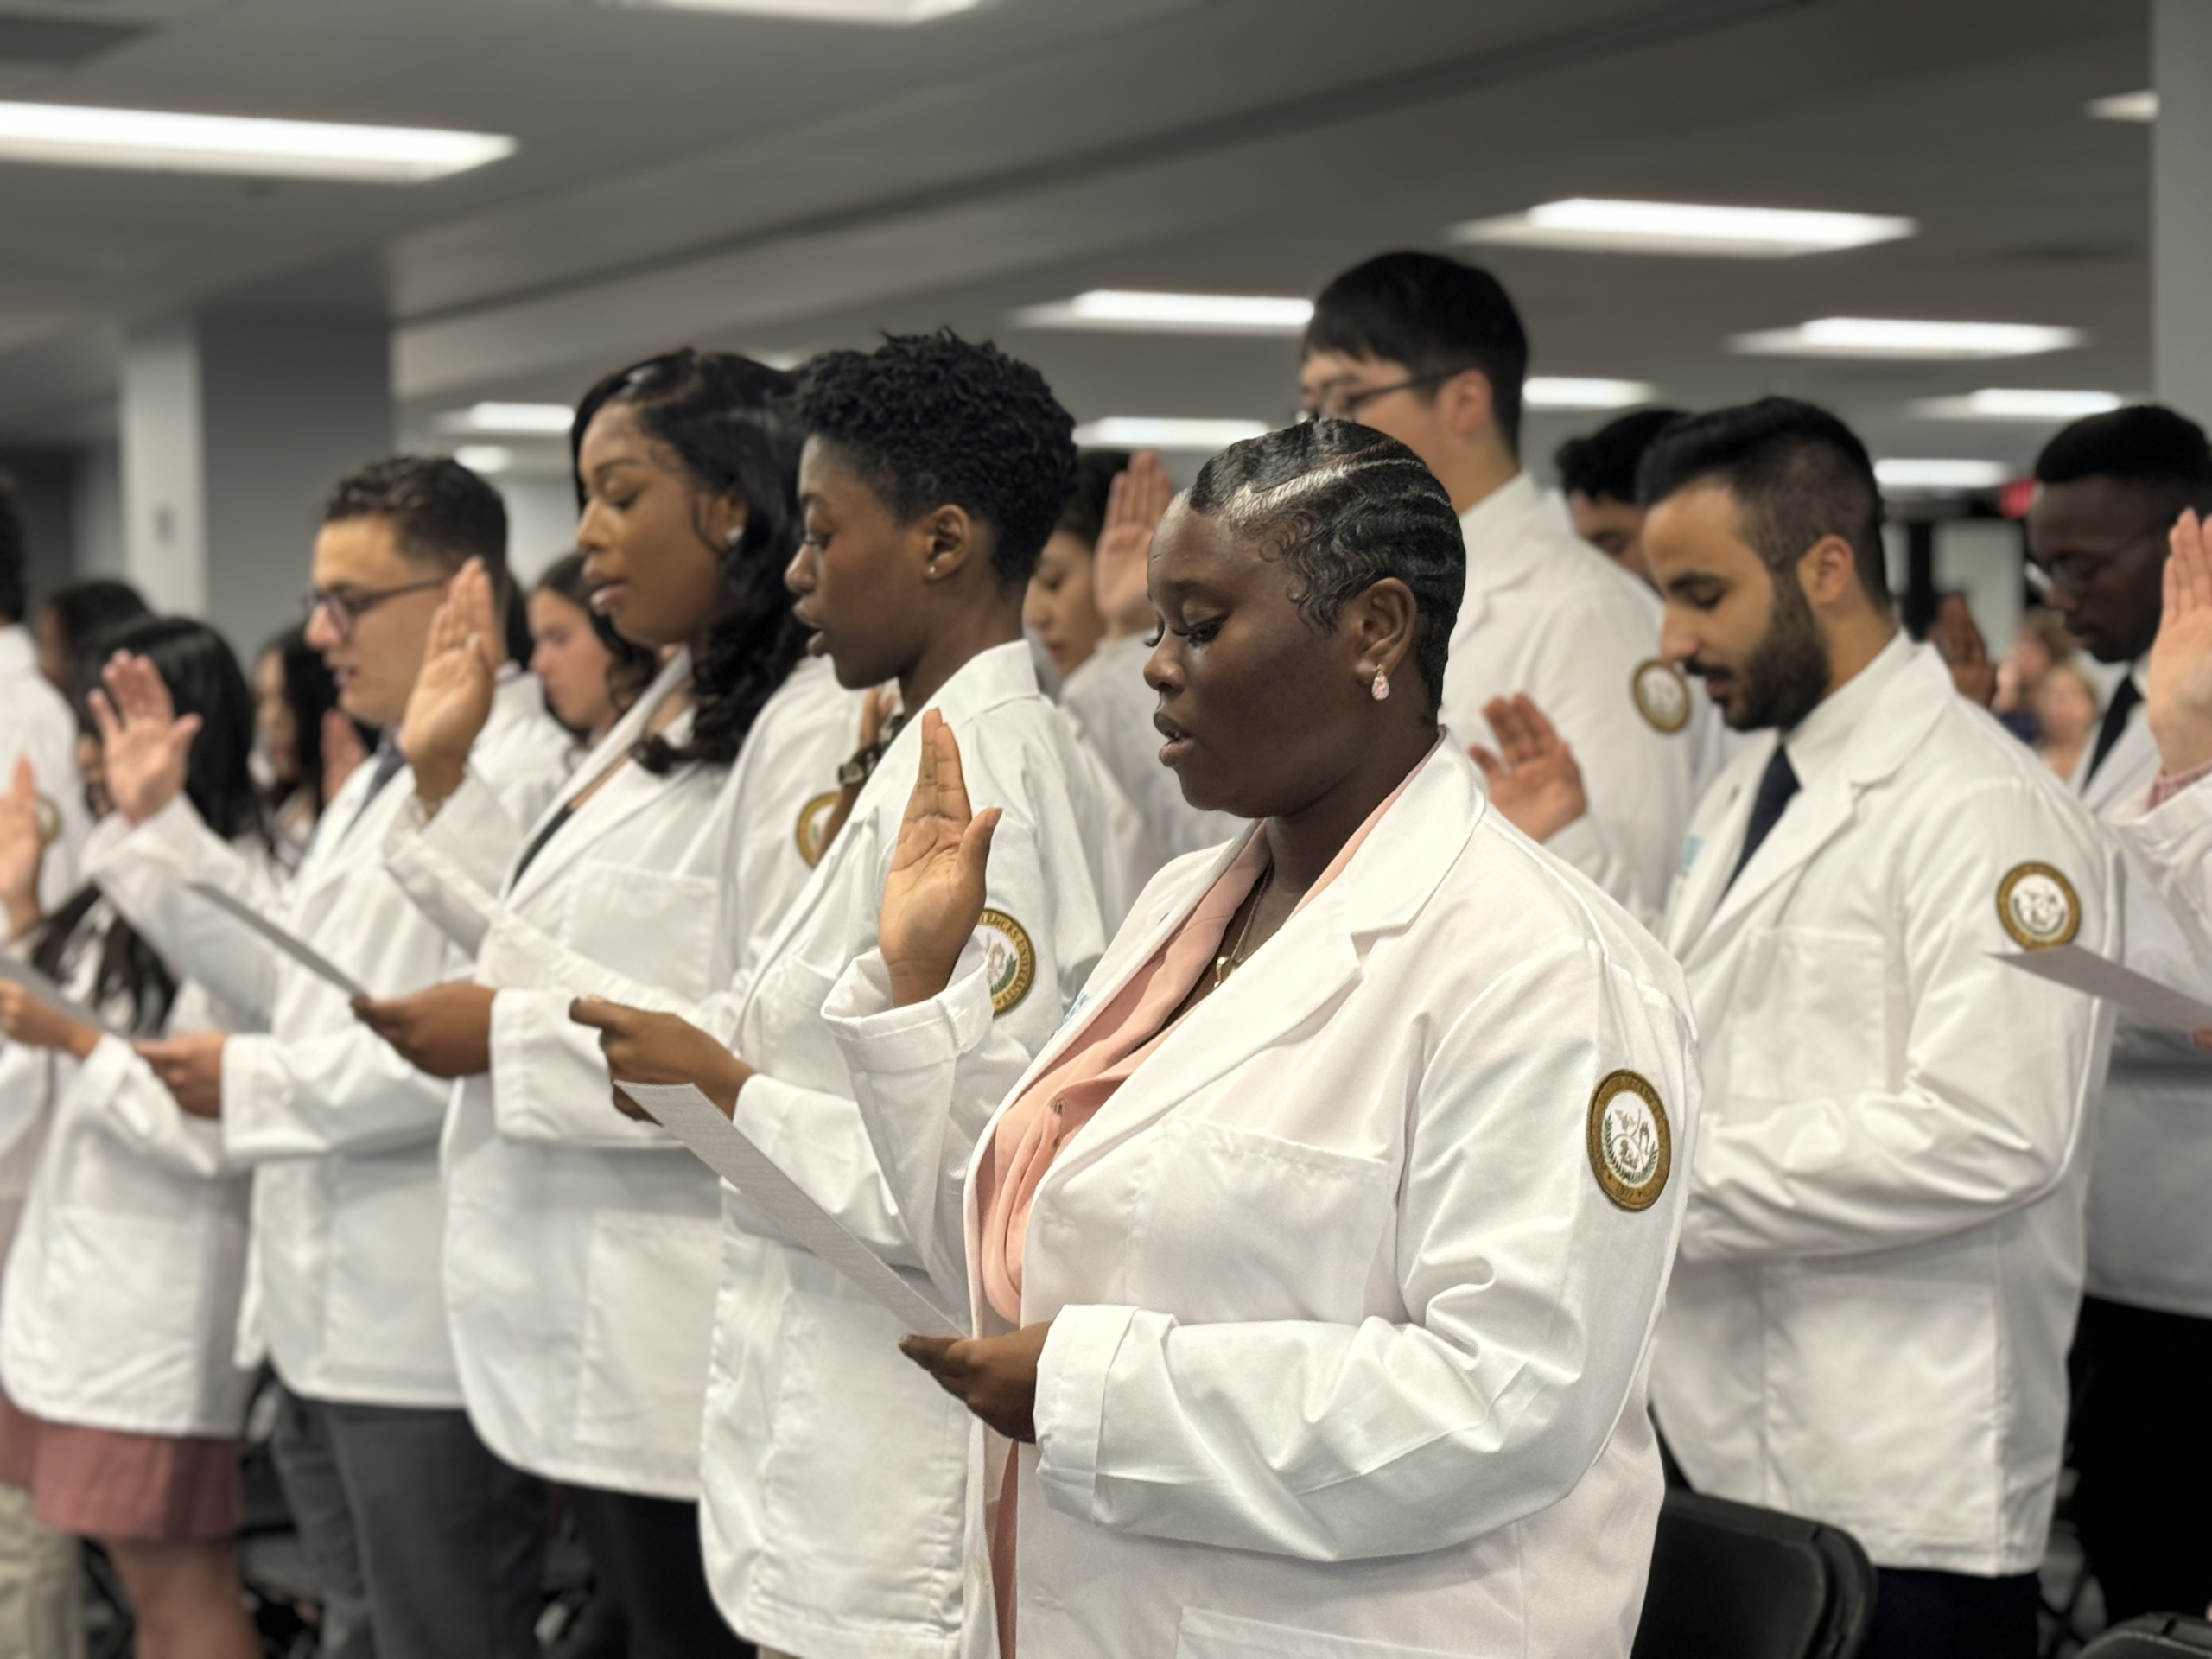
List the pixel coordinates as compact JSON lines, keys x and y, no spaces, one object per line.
{"x":2181,"y":205}
{"x":234,"y":428}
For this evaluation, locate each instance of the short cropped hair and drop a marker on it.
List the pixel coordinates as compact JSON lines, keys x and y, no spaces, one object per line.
{"x":1437,"y":316}
{"x":2145,"y":444}
{"x":1602,"y":465}
{"x":931,"y":420}
{"x":441,"y":513}
{"x":14,"y":587}
{"x":1345,"y":507}
{"x":1797,"y":473}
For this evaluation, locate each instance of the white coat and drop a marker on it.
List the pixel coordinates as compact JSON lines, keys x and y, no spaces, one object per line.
{"x":122,"y":1290}
{"x":833,"y":1470}
{"x":340,"y":1133}
{"x":1349,"y":1338}
{"x":35,"y":720}
{"x":1546,"y":614}
{"x":581,"y":1248}
{"x":2150,"y":1229}
{"x":2172,"y":844}
{"x":1884,"y":1251}
{"x":1111,"y":705}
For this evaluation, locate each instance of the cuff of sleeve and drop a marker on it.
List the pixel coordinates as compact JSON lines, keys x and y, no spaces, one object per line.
{"x":166,"y":835}
{"x":255,"y":1090}
{"x":2167,"y":785}
{"x":517,"y":1021}
{"x":104,"y":1070}
{"x":1070,"y":1409}
{"x":764,"y":1111}
{"x":874,"y":1036}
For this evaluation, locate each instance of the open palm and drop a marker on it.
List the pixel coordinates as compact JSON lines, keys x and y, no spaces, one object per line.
{"x":144,"y":744}
{"x":2179,"y":689}
{"x":934,"y":894}
{"x":452,"y":697}
{"x":1135,"y":502}
{"x":1535,"y":782}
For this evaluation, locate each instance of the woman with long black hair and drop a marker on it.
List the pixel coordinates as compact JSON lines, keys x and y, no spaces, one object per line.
{"x":582,"y":1253}
{"x":119,"y":1323}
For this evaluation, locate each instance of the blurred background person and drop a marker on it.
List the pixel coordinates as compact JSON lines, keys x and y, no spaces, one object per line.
{"x":591,"y":674}
{"x":305,"y":748}
{"x":2065,"y":711}
{"x":1061,"y":608}
{"x":1596,"y":474}
{"x":2037,"y":643}
{"x":71,"y":616}
{"x":37,"y":727}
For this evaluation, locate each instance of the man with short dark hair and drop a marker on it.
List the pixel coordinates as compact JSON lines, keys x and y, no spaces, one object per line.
{"x":426,"y":1545}
{"x":1596,"y":474}
{"x":1879,"y":1264}
{"x":1431,"y":352}
{"x":2109,"y":489}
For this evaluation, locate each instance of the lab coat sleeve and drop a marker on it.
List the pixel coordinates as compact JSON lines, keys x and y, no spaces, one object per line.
{"x":549,"y":1081}
{"x":453,"y":865}
{"x":119,"y":1091}
{"x":1528,"y":1300}
{"x":25,"y":1075}
{"x":2000,"y":1066}
{"x":143,"y":872}
{"x":2174,"y":841}
{"x":343,"y":1089}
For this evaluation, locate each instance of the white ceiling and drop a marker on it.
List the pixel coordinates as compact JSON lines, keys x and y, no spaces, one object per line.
{"x":784,"y":185}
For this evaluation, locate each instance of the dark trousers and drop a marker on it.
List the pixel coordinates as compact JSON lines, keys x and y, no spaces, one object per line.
{"x":1922,"y":1614}
{"x":646,"y":1551}
{"x":2143,"y":1456}
{"x":426,"y":1545}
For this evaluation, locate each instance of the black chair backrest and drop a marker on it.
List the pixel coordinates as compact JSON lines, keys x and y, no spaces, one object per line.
{"x":2155,"y":1636}
{"x":1729,"y":1581}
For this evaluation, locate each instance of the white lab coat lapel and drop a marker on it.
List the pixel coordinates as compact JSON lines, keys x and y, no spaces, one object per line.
{"x":1704,"y":883}
{"x":2127,"y":770}
{"x":1898,"y":721}
{"x":1498,"y":553}
{"x":631,"y":789}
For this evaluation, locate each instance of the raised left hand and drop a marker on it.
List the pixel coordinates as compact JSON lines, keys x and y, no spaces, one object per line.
{"x":995,"y":1378}
{"x":445,"y":1031}
{"x":1535,"y":782}
{"x":190,"y":1068}
{"x":25,"y":1019}
{"x":645,"y":1046}
{"x":2178,"y":685}
{"x":1954,"y":633}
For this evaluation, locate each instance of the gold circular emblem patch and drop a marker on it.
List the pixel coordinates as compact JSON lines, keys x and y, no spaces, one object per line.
{"x":1010,"y":961}
{"x":49,"y":821}
{"x":2039,"y":908}
{"x":813,"y":819}
{"x":1630,"y":1147}
{"x":1663,"y":695}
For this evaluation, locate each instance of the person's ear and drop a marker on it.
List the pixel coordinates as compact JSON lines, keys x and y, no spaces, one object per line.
{"x":1381,"y":623}
{"x":948,"y":541}
{"x":726,"y":520}
{"x":1827,"y":572}
{"x":1467,"y":402}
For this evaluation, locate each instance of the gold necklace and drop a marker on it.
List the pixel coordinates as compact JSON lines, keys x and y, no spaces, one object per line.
{"x":1230,"y":960}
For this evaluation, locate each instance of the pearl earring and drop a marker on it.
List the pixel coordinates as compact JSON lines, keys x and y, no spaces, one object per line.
{"x":731,"y":540}
{"x":1379,"y":688}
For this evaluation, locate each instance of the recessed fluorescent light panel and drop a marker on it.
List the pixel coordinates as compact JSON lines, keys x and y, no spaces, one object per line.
{"x":1887,"y":337}
{"x":2011,"y":404}
{"x":1146,"y":432}
{"x":1589,"y":225}
{"x":880,"y":12}
{"x":513,"y":419}
{"x":1906,"y":472}
{"x":2124,"y":106}
{"x":65,"y":135}
{"x":1560,"y":392}
{"x":1137,"y":311}
{"x":485,"y":457}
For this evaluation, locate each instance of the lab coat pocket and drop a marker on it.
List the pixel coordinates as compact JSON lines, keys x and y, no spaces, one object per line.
{"x":649,"y":1315}
{"x":1884,"y":1406}
{"x":788,"y":1014}
{"x":1809,"y":1020}
{"x":1240,"y":1225}
{"x":647,"y":924}
{"x":1204,"y":1634}
{"x":136,"y":1366}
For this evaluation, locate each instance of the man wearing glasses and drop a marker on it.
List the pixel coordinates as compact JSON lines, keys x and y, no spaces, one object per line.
{"x":2109,"y":490}
{"x":1553,"y":637}
{"x":425,"y":1543}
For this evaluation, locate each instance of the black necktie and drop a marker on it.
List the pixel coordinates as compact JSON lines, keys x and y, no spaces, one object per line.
{"x":2125,"y":696}
{"x":1777,"y":785}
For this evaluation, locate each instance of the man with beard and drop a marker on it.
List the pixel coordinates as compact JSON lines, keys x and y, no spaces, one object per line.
{"x":2109,"y":490}
{"x":1884,"y":1241}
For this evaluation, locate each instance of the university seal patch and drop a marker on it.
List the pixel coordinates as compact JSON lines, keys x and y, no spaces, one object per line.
{"x":1663,"y":695}
{"x":2039,"y":906}
{"x":1631,"y":1147}
{"x":1010,"y":961}
{"x":813,"y":822}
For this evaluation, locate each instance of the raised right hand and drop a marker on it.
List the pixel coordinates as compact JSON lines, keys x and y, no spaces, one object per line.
{"x":934,"y":895}
{"x":144,"y":744}
{"x":1135,"y":502}
{"x":2178,"y":692}
{"x":452,"y":697}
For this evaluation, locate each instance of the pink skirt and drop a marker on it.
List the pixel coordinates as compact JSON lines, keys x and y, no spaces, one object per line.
{"x":100,"y":1483}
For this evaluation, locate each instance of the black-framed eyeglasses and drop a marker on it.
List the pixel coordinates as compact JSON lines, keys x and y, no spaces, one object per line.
{"x":2075,"y":571}
{"x":1343,"y":403}
{"x":348,"y":606}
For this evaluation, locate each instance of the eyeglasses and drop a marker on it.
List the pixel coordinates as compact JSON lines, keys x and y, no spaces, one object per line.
{"x":1343,"y":403}
{"x":2075,"y":571}
{"x":348,"y":606}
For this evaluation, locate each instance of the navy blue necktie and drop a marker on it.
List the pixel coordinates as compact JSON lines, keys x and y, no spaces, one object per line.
{"x":388,"y":765}
{"x":1777,"y":785}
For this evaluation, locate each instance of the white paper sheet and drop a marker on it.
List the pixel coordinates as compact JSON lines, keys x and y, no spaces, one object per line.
{"x":723,"y":1148}
{"x":14,"y":966}
{"x":309,"y":957}
{"x":2085,"y":971}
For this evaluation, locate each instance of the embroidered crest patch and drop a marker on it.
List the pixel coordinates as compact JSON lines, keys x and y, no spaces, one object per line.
{"x":1010,"y":961}
{"x":813,"y":823}
{"x":1663,"y":695}
{"x":2039,"y":906}
{"x":1631,"y":1147}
